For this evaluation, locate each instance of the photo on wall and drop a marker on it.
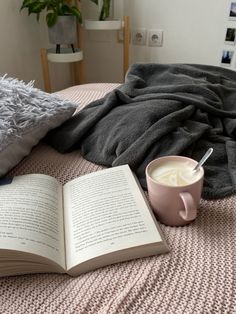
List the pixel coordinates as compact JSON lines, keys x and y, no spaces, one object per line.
{"x":227,"y":57}
{"x":232,"y":12}
{"x":230,"y":36}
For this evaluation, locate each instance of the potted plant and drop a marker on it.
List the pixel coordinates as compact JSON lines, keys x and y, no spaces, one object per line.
{"x":62,"y":16}
{"x":103,"y":23}
{"x":61,"y":19}
{"x":104,"y":10}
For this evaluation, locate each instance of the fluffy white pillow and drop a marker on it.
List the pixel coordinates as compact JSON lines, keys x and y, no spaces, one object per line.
{"x":26,"y":115}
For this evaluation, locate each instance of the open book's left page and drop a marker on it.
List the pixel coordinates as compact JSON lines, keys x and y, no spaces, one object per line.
{"x":31,"y":217}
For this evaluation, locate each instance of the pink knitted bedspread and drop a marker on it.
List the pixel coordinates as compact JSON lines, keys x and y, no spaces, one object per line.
{"x":197,"y":276}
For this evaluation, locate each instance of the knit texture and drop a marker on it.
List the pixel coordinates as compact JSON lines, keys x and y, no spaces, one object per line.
{"x":197,"y":276}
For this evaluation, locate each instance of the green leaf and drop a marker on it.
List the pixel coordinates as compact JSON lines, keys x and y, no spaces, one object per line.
{"x":76,"y":12}
{"x":25,"y":4}
{"x":64,"y":9}
{"x":53,"y":7}
{"x":105,"y":11}
{"x":51,"y":18}
{"x":37,"y":7}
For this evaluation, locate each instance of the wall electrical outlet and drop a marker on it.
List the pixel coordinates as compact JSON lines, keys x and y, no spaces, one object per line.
{"x":155,"y":37}
{"x":139,"y":36}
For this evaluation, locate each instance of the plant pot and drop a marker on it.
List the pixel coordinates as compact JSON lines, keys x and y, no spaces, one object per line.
{"x":65,"y":55}
{"x":64,"y":31}
{"x":102,"y":25}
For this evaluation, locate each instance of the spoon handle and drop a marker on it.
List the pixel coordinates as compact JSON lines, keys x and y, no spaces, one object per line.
{"x":204,"y":158}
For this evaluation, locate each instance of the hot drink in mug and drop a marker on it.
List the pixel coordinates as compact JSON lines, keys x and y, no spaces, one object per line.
{"x":175,"y":173}
{"x":174,"y":189}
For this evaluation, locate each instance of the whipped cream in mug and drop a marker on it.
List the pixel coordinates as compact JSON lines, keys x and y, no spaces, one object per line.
{"x":175,"y":173}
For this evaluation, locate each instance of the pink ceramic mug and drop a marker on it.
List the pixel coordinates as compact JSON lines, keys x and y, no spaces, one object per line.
{"x":174,"y":205}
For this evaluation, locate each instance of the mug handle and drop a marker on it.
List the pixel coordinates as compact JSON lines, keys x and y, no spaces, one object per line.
{"x":190,"y":212}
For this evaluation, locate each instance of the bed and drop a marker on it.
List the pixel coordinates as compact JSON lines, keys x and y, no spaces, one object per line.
{"x":197,"y":276}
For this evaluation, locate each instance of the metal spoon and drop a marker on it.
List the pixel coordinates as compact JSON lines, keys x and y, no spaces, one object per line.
{"x":204,"y":158}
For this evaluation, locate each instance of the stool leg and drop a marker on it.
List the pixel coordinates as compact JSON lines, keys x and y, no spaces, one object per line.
{"x":58,"y":48}
{"x":73,"y":48}
{"x":45,"y":68}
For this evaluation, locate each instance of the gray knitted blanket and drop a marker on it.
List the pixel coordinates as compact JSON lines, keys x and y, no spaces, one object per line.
{"x":174,"y":109}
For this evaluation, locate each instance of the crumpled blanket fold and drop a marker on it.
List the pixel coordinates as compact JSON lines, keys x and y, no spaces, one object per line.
{"x":161,"y":109}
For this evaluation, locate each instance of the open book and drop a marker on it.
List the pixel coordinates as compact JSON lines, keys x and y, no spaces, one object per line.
{"x":92,"y":221}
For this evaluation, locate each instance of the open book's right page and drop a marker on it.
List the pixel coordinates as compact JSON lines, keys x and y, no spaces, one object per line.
{"x":104,"y":212}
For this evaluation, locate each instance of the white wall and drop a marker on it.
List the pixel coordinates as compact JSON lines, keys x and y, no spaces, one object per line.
{"x":103,"y":54}
{"x":194,"y":32}
{"x":21,"y":38}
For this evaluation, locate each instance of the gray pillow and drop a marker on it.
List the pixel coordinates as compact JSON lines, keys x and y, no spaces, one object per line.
{"x":26,"y":115}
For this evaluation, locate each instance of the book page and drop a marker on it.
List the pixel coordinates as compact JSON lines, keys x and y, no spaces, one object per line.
{"x":31,"y":216}
{"x":104,"y":212}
